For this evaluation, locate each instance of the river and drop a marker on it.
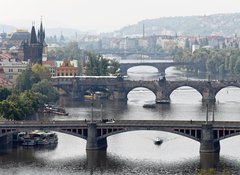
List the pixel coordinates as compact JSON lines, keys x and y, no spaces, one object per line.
{"x":134,"y":152}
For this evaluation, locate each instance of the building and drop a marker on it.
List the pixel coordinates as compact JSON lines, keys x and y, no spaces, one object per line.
{"x":67,"y":68}
{"x":13,"y":68}
{"x":34,"y":48}
{"x":51,"y":65}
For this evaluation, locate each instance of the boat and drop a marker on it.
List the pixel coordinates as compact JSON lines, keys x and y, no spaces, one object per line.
{"x":149,"y":105}
{"x":101,"y":95}
{"x":90,"y":97}
{"x":37,"y":137}
{"x":157,"y":141}
{"x":48,"y":108}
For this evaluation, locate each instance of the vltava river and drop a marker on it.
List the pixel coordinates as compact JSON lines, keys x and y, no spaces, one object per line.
{"x":134,"y":152}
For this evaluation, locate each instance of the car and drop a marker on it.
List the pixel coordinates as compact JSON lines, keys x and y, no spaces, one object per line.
{"x":108,"y":120}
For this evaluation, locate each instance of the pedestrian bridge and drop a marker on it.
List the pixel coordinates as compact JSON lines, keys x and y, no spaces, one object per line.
{"x":95,"y":132}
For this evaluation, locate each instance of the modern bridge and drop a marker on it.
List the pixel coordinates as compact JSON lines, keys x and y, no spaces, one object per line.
{"x":119,"y":87}
{"x":96,"y":132}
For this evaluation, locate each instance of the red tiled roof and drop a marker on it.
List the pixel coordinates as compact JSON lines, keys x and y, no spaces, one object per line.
{"x":5,"y":56}
{"x":5,"y":83}
{"x":50,"y":63}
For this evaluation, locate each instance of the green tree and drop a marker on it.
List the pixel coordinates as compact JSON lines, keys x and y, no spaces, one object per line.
{"x":27,"y":103}
{"x":237,"y":67}
{"x":99,"y":66}
{"x":45,"y":88}
{"x":4,"y":93}
{"x":26,"y":80}
{"x":42,"y":71}
{"x":10,"y":110}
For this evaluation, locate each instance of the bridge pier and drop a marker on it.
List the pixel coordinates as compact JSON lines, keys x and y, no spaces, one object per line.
{"x":162,"y":72}
{"x":208,"y":96}
{"x":119,"y":95}
{"x":162,"y":98}
{"x":208,"y":144}
{"x":93,"y":142}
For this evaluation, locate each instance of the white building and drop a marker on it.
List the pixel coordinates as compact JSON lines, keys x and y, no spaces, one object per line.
{"x":13,"y":68}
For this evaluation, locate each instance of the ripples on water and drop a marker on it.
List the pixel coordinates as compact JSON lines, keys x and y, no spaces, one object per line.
{"x":134,"y":152}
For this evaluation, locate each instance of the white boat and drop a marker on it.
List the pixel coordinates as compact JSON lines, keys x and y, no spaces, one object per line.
{"x":47,"y":138}
{"x":157,"y":141}
{"x":29,"y":142}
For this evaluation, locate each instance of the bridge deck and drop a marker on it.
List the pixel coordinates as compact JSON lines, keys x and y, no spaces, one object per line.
{"x":120,"y":123}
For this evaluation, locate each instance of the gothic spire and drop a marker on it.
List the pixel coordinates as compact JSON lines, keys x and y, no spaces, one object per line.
{"x":33,"y":39}
{"x":41,"y":34}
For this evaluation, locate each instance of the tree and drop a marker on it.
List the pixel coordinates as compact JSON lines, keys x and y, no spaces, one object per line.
{"x":99,"y":66}
{"x":24,"y":104}
{"x":237,"y":67}
{"x":45,"y":88}
{"x":4,"y":93}
{"x":10,"y":110}
{"x":42,"y":71}
{"x":26,"y":80}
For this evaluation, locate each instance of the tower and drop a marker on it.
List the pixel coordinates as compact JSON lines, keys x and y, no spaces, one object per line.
{"x":33,"y":49}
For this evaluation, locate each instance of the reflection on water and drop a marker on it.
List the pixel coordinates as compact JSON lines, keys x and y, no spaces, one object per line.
{"x":134,"y":152}
{"x":209,"y":160}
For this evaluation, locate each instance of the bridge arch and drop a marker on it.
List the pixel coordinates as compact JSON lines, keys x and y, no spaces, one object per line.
{"x":227,"y":86}
{"x":62,"y":89}
{"x":224,"y":134}
{"x":73,"y":132}
{"x":140,"y":86}
{"x":193,"y":135}
{"x":184,"y":87}
{"x":126,"y":67}
{"x":143,"y":69}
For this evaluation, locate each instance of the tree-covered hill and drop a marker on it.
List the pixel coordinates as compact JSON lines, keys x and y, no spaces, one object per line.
{"x":217,"y":24}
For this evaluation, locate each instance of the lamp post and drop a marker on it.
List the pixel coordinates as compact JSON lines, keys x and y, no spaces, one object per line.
{"x":101,"y":110}
{"x":92,"y":107}
{"x":207,"y":115}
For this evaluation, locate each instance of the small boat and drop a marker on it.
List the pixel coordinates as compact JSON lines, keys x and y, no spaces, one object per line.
{"x":90,"y":97}
{"x":149,"y":105}
{"x":54,"y":109}
{"x":157,"y":141}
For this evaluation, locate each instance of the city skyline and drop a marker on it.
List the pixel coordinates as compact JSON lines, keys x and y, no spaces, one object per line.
{"x":104,"y":15}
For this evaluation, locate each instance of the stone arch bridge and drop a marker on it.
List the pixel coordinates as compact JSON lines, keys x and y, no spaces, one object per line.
{"x":119,"y":87}
{"x":161,"y":65}
{"x":96,"y":132}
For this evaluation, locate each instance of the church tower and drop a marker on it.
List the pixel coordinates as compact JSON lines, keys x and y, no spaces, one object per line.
{"x":33,"y":49}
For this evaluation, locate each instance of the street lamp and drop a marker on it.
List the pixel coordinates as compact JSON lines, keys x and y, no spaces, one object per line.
{"x":101,"y":110}
{"x":92,"y":96}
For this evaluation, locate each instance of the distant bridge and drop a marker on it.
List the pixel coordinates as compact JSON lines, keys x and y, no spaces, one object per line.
{"x":161,"y":65}
{"x":208,"y":134}
{"x":125,"y":54}
{"x":119,"y":87}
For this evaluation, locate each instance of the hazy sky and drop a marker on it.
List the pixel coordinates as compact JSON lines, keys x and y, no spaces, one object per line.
{"x":105,"y":15}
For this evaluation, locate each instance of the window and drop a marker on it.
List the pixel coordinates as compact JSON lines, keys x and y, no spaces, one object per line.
{"x":10,"y":70}
{"x":19,"y":70}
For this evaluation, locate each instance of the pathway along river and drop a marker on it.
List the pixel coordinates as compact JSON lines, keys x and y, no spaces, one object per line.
{"x":134,"y":152}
